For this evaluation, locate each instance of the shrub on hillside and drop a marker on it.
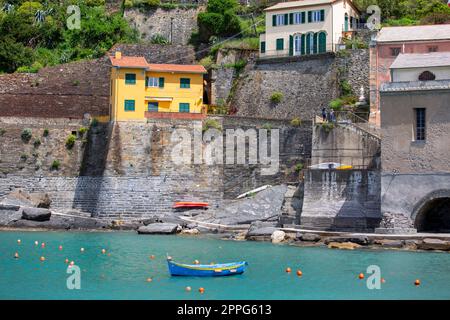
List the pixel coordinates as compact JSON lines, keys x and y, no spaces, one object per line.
{"x":276,"y":97}
{"x":26,"y":135}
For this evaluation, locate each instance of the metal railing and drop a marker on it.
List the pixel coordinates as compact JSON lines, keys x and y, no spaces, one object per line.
{"x":358,"y":120}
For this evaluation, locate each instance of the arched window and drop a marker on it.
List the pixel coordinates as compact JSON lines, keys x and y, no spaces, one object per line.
{"x":322,"y":42}
{"x":427,"y":76}
{"x":297,"y":44}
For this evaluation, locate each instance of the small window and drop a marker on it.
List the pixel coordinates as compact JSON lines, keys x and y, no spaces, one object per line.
{"x":263,"y":47}
{"x":152,"y":82}
{"x":317,"y":16}
{"x":420,"y":124}
{"x":153,"y":106}
{"x":130,"y":78}
{"x":281,"y":21}
{"x":184,"y":107}
{"x":185,"y":83}
{"x":395,"y":51}
{"x":298,"y":18}
{"x":280,"y":44}
{"x":129,"y":105}
{"x":433,"y":49}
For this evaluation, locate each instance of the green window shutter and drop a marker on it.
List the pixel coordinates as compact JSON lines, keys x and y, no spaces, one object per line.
{"x":291,"y":18}
{"x":130,"y":78}
{"x":263,"y":47}
{"x":185,"y":83}
{"x":286,"y":19}
{"x":303,"y":17}
{"x":309,"y":16}
{"x":280,"y":44}
{"x":129,"y":105}
{"x":315,"y":43}
{"x":308,"y":43}
{"x":274,"y":20}
{"x":184,"y":107}
{"x":146,"y":81}
{"x":322,"y":42}
{"x":161,"y":82}
{"x":303,"y":49}
{"x":291,"y":45}
{"x":322,"y":15}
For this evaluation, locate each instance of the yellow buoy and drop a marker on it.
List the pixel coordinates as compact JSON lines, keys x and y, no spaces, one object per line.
{"x":149,"y":279}
{"x":197,"y":262}
{"x":42,"y":259}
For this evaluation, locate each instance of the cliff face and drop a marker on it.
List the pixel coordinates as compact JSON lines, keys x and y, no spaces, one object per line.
{"x":175,"y":25}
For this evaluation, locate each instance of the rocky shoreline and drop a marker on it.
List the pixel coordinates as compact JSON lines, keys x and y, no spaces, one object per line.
{"x":250,"y":219}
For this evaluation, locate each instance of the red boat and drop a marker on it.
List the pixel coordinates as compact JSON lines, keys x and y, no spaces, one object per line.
{"x":190,"y":205}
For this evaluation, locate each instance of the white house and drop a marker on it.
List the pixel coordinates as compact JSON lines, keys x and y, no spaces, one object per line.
{"x":305,"y":27}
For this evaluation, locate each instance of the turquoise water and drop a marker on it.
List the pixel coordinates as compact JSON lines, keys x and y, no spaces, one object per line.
{"x":327,"y":274}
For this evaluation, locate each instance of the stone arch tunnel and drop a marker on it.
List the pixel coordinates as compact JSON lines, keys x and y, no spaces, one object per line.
{"x":432,"y":213}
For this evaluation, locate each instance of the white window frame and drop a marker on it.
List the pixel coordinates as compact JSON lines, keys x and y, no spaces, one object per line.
{"x":297,"y":45}
{"x":298,"y":18}
{"x":280,"y":20}
{"x":315,"y":16}
{"x":153,"y":82}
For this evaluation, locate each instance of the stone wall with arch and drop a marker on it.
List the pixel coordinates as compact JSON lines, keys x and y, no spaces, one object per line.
{"x":408,"y":195}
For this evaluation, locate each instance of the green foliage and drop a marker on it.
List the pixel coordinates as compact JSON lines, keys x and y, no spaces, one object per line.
{"x":346,"y":88}
{"x":327,"y":126}
{"x":34,"y":68}
{"x":408,"y":12}
{"x":45,"y":133}
{"x":37,"y":142}
{"x":208,"y":63}
{"x":238,"y":65}
{"x":241,"y":44}
{"x":128,"y":4}
{"x":31,"y":45}
{"x":26,"y":135}
{"x":23,"y":157}
{"x":211,"y":124}
{"x":355,"y":43}
{"x":298,"y":167}
{"x":336,"y":104}
{"x":82,"y":131}
{"x":159,"y":39}
{"x":2,"y":131}
{"x":55,"y":165}
{"x":152,"y":3}
{"x":296,"y":122}
{"x":276,"y":97}
{"x":267,"y":126}
{"x":70,"y":141}
{"x":219,"y":20}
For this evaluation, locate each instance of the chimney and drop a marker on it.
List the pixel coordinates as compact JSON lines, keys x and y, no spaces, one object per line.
{"x":118,"y":55}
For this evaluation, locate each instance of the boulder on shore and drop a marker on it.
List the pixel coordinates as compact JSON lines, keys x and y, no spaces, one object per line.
{"x":361,"y":240}
{"x":158,"y":228}
{"x":36,"y":214}
{"x":278,"y":236}
{"x":343,"y":245}
{"x":310,"y":237}
{"x":434,"y":244}
{"x":260,"y":234}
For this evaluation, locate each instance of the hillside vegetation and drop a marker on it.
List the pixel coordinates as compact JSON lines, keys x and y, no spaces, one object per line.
{"x":34,"y":34}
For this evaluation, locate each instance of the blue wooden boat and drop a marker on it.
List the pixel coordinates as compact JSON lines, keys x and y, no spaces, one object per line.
{"x":199,"y":270}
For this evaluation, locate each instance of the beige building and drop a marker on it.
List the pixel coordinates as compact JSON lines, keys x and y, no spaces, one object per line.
{"x":306,"y":27}
{"x":415,"y":123}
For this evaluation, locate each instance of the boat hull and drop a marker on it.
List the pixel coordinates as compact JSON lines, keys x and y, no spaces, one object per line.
{"x":218,"y":270}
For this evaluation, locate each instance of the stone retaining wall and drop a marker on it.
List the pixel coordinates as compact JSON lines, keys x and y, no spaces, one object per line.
{"x":341,"y":200}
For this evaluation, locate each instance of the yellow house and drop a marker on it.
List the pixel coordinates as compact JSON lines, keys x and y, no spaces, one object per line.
{"x":141,"y":90}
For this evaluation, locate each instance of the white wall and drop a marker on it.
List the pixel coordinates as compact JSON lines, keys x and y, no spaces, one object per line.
{"x":412,"y":74}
